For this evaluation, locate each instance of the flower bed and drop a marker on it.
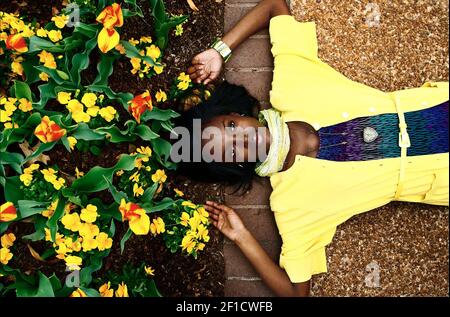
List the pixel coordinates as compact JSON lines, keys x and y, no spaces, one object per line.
{"x":91,"y":205}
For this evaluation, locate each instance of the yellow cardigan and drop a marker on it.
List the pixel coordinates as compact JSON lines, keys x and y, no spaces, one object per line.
{"x":314,"y":196}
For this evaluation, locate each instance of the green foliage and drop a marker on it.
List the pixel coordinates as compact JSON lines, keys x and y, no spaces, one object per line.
{"x":138,"y":282}
{"x":163,"y":22}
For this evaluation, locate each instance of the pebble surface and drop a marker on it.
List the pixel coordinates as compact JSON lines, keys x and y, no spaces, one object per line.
{"x":400,"y":249}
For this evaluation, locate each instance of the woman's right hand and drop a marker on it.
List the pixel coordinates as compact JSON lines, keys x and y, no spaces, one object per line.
{"x":226,"y":220}
{"x":206,"y":66}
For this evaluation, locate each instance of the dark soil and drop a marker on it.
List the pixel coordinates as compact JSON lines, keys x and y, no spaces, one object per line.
{"x":176,"y":274}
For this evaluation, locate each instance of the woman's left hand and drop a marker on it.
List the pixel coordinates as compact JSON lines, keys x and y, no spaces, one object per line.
{"x":226,"y":220}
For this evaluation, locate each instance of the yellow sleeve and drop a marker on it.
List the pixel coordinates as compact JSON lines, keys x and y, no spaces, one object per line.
{"x":289,"y":36}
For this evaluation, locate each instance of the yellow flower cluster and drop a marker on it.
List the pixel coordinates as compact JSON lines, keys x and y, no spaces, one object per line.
{"x":27,"y":175}
{"x":48,"y":213}
{"x":7,"y":108}
{"x":198,"y":234}
{"x":106,"y":290}
{"x":12,"y":24}
{"x":89,"y":236}
{"x":54,"y":35}
{"x":7,"y":241}
{"x":141,"y":67}
{"x":183,"y":81}
{"x":48,"y":60}
{"x":51,"y":177}
{"x":89,"y":100}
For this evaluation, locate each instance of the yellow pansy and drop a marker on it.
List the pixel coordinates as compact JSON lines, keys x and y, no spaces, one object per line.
{"x":183,"y":85}
{"x":189,"y":204}
{"x":108,"y":113}
{"x":71,"y":222}
{"x":43,"y":76}
{"x":184,"y":219}
{"x":58,"y":183}
{"x":49,"y":174}
{"x":9,"y":125}
{"x":153,"y":51}
{"x":122,"y":290}
{"x":188,"y":243}
{"x":73,"y":261}
{"x":78,"y":174}
{"x":146,"y":39}
{"x":105,"y":290}
{"x":72,"y":142}
{"x":134,"y":177}
{"x":64,"y":97}
{"x":200,"y":247}
{"x":25,"y":105}
{"x":50,"y":209}
{"x":202,"y":233}
{"x":16,"y":67}
{"x":7,"y":240}
{"x":103,"y":241}
{"x":47,"y":59}
{"x":26,"y":179}
{"x":159,"y":176}
{"x":54,"y":35}
{"x":149,"y":270}
{"x":147,"y":151}
{"x":41,"y":32}
{"x":5,"y":256}
{"x":88,"y":230}
{"x":89,"y":214}
{"x":60,"y":21}
{"x":59,"y":237}
{"x":184,"y":77}
{"x":89,"y":243}
{"x":137,"y":190}
{"x":89,"y":99}
{"x":120,"y":172}
{"x":178,"y":192}
{"x":157,"y":226}
{"x":81,"y":117}
{"x":75,"y":106}
{"x":161,"y":96}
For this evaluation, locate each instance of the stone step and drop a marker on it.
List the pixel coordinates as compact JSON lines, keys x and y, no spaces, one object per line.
{"x":255,"y":52}
{"x":247,"y":288}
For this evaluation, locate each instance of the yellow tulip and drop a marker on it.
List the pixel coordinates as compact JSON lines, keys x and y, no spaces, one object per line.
{"x":78,"y":293}
{"x":122,"y":290}
{"x":108,"y":39}
{"x":105,"y":290}
{"x":7,"y":212}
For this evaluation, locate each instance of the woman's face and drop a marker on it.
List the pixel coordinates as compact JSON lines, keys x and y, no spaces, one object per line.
{"x":235,"y":138}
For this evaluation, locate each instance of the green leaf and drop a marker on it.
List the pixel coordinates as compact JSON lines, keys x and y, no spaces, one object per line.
{"x":105,"y":69}
{"x":22,"y":90}
{"x":43,"y":289}
{"x":145,"y":133}
{"x":52,"y":223}
{"x":12,"y":159}
{"x":132,"y":52}
{"x":29,"y":208}
{"x":94,"y":180}
{"x":83,"y":132}
{"x":159,"y":114}
{"x":13,"y":193}
{"x":80,"y":61}
{"x":125,"y":238}
{"x":38,"y":44}
{"x":117,"y":195}
{"x":53,"y":73}
{"x":40,"y":224}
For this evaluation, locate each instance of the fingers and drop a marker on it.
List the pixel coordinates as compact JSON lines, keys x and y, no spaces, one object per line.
{"x":220,"y":207}
{"x":196,"y":60}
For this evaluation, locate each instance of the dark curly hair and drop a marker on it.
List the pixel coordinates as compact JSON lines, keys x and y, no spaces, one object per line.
{"x":226,"y":98}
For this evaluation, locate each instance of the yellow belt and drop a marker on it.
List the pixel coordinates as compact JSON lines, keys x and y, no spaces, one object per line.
{"x":404,"y":143}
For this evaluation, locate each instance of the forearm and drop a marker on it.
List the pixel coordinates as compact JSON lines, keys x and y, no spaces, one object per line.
{"x":272,"y":275}
{"x":254,"y":21}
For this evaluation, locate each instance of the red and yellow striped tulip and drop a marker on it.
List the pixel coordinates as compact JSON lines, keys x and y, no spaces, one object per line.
{"x":139,"y":104}
{"x":17,"y":43}
{"x":49,"y":131}
{"x":110,"y":17}
{"x":8,"y":212}
{"x":138,"y":219}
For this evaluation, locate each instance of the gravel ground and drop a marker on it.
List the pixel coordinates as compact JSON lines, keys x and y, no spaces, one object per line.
{"x":390,"y":45}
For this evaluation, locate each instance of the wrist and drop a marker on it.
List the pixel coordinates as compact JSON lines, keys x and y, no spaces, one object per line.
{"x":223,"y":49}
{"x":243,"y":237}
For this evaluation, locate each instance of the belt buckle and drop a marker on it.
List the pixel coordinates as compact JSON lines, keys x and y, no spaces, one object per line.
{"x":404,"y":140}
